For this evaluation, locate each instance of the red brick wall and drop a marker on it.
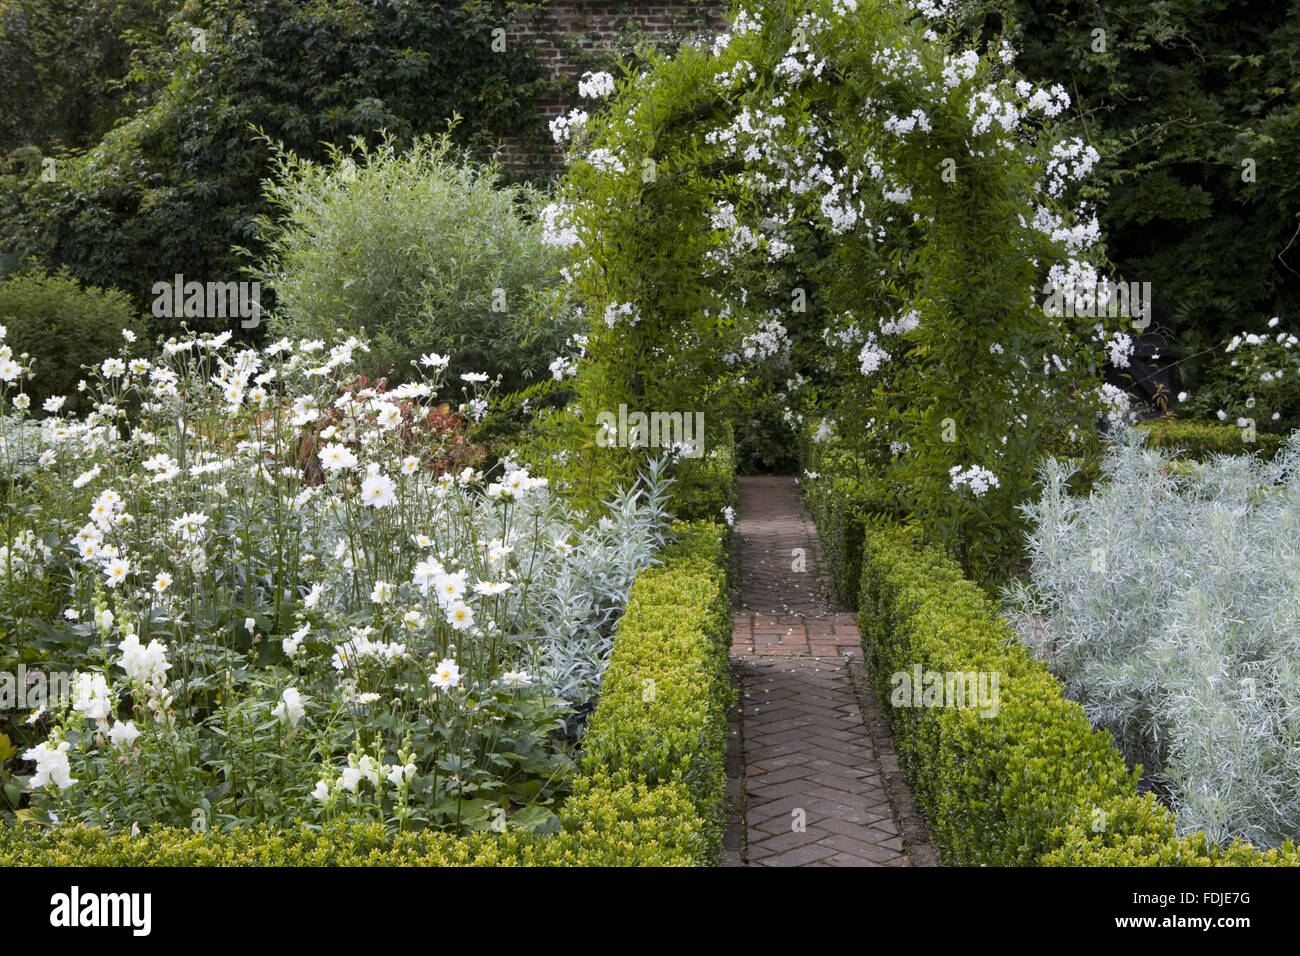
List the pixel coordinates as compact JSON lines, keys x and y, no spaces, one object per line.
{"x":551,"y":30}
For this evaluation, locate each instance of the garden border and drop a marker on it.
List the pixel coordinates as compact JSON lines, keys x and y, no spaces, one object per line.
{"x":652,"y":782}
{"x":1033,"y":785}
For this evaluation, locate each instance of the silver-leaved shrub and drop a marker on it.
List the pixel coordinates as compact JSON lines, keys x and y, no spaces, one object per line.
{"x":1168,"y":601}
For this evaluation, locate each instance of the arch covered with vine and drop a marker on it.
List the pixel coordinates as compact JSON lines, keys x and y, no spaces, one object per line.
{"x":832,"y":223}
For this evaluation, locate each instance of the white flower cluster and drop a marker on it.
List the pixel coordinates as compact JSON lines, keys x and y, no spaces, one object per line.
{"x":986,"y":109}
{"x":902,"y":324}
{"x":567,"y":126}
{"x":1050,"y":102}
{"x":593,"y":86}
{"x":566,"y":366}
{"x":901,"y":126}
{"x":144,"y":665}
{"x":557,"y":227}
{"x":51,"y":765}
{"x":1115,"y":405}
{"x":1071,"y":160}
{"x":605,"y":160}
{"x":872,"y":356}
{"x":959,"y":68}
{"x":359,"y":648}
{"x":771,"y":338}
{"x":933,"y":9}
{"x":1118,"y":349}
{"x":978,"y":480}
{"x":24,"y":556}
{"x":621,"y":310}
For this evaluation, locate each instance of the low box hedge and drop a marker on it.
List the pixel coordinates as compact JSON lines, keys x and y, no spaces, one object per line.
{"x":844,"y":500}
{"x":1200,"y":439}
{"x":1033,"y":784}
{"x":652,"y":783}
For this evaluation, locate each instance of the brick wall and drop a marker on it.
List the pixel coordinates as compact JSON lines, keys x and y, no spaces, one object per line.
{"x":564,"y":34}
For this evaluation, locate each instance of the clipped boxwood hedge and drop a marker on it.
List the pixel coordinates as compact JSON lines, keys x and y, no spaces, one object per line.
{"x":652,"y":783}
{"x":607,"y":822}
{"x":1033,"y":784}
{"x":1201,"y":439}
{"x":667,"y":690}
{"x":844,"y":501}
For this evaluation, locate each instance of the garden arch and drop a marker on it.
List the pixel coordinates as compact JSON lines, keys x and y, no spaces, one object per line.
{"x":831,"y":209}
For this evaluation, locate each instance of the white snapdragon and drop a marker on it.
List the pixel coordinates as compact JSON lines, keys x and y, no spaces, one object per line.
{"x":91,"y":697}
{"x":51,"y":765}
{"x":291,"y":709}
{"x":123,"y":735}
{"x":144,"y":665}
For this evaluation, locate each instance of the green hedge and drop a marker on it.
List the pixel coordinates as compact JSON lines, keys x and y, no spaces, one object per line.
{"x":652,"y":784}
{"x":664,"y":699}
{"x":606,"y":823}
{"x":844,"y":500}
{"x":1201,"y":439}
{"x":707,"y":484}
{"x":1033,"y":784}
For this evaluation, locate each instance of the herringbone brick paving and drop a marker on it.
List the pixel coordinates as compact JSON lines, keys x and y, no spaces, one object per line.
{"x":814,"y":783}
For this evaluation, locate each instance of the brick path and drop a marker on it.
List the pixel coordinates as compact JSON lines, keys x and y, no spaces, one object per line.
{"x":814,"y":779}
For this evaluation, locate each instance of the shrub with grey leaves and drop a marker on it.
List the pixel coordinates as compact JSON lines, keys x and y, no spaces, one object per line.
{"x":1168,"y":602}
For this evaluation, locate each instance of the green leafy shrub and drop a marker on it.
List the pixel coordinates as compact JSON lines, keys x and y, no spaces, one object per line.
{"x":1200,"y":440}
{"x":63,"y":326}
{"x":177,"y":186}
{"x":419,"y":251}
{"x":1033,"y":783}
{"x":1177,"y":101}
{"x":1165,"y":601}
{"x":608,"y":822}
{"x":705,"y":487}
{"x":1254,"y":383}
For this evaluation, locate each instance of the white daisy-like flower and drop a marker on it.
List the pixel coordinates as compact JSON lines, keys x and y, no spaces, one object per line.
{"x":377,"y":491}
{"x":460,"y":617}
{"x":116,"y":571}
{"x":388,"y":416}
{"x":335,"y":457}
{"x":446,"y":675}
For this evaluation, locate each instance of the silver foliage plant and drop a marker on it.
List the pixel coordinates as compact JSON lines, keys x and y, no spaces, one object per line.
{"x":586,"y":594}
{"x":1168,"y":602}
